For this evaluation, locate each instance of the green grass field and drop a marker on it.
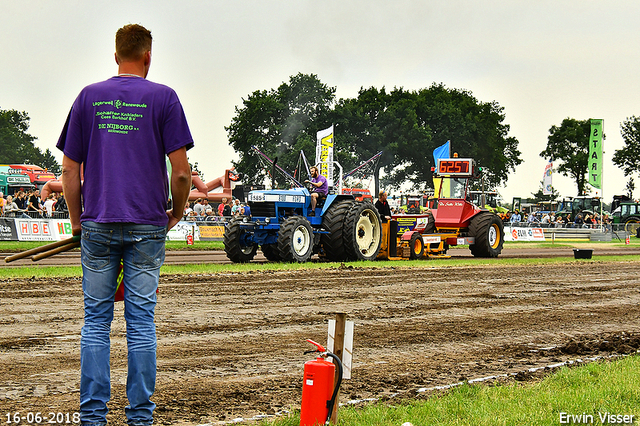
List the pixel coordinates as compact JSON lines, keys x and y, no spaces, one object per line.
{"x":52,"y":271}
{"x":593,"y":392}
{"x":16,"y":246}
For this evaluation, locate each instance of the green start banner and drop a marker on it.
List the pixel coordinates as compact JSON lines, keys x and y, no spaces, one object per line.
{"x":595,"y":153}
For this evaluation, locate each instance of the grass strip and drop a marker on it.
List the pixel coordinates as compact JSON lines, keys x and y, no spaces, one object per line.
{"x":16,"y":246}
{"x":37,"y":271}
{"x":578,"y":395}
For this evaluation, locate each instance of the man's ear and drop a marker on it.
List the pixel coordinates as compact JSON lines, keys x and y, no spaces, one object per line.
{"x":115,"y":55}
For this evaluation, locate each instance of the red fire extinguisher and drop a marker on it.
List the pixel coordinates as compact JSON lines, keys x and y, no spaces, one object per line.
{"x":318,"y":391}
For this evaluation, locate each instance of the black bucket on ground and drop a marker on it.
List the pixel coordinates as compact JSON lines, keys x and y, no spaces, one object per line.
{"x":582,"y":253}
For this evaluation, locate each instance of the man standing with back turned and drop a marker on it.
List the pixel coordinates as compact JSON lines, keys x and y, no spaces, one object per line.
{"x":119,"y":132}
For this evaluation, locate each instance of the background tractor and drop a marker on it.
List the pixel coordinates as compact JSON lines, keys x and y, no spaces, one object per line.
{"x":626,"y":211}
{"x":452,"y":220}
{"x":340,"y":228}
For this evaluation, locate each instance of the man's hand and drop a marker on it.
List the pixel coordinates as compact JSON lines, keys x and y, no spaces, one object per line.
{"x":172,"y":219}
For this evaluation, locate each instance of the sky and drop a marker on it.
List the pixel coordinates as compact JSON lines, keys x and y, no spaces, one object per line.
{"x":542,"y":61}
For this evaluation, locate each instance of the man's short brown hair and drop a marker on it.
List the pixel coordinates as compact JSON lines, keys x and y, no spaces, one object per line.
{"x":132,"y":42}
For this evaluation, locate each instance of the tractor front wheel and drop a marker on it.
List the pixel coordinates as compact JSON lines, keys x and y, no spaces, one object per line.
{"x":417,"y":246}
{"x":295,"y":239}
{"x":488,"y":230}
{"x":236,"y":244}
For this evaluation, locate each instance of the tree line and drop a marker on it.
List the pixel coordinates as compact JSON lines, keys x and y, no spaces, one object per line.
{"x":406,"y":125}
{"x":17,"y":146}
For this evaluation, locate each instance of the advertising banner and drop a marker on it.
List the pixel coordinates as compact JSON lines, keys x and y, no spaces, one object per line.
{"x":42,"y":229}
{"x":212,"y":233}
{"x":595,"y":153}
{"x":523,"y":234}
{"x":324,"y":154}
{"x":182,"y":229}
{"x":547,"y":184}
{"x":7,"y":230}
{"x":34,"y":230}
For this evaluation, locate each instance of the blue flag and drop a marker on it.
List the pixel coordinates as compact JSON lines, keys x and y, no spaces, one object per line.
{"x":443,"y":151}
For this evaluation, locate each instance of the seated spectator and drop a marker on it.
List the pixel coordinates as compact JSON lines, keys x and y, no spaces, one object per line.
{"x":515,"y":218}
{"x":546,"y":219}
{"x":210,"y":215}
{"x":10,"y":208}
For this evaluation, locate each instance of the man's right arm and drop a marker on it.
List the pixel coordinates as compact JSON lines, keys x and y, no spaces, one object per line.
{"x":71,"y":187}
{"x":180,"y":184}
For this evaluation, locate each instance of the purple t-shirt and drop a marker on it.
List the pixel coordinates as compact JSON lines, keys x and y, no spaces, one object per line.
{"x":322,"y":189}
{"x":121,"y":129}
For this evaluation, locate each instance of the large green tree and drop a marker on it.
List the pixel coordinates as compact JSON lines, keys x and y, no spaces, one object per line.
{"x":569,"y":143}
{"x":628,"y":158}
{"x":476,"y":130}
{"x":280,"y":123}
{"x":17,"y":146}
{"x":379,"y":121}
{"x":406,"y":125}
{"x":409,"y":125}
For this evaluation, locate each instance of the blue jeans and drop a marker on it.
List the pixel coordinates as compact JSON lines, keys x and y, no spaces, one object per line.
{"x":141,"y":248}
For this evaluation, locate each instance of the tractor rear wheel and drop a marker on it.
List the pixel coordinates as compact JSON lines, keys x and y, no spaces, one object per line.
{"x":333,"y":222}
{"x":236,"y":245}
{"x":417,"y":246}
{"x":488,"y":230}
{"x":271,"y":252}
{"x":362,"y":232}
{"x":295,"y":239}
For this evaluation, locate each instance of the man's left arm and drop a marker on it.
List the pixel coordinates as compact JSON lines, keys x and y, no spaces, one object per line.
{"x":72,"y":189}
{"x":180,"y":184}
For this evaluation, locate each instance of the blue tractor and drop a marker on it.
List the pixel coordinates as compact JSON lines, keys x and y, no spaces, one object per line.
{"x":284,"y":228}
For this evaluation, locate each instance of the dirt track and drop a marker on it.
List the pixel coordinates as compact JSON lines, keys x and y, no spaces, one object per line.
{"x":231,"y":345}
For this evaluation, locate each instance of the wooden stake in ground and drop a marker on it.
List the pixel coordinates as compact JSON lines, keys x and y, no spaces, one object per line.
{"x":338,"y":347}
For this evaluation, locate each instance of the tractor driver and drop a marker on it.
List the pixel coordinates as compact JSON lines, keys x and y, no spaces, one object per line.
{"x":320,"y":188}
{"x":383,"y":206}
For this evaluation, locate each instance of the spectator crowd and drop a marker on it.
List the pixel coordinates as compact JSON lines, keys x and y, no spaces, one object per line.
{"x":583,"y":219}
{"x":30,"y":205}
{"x":201,"y":210}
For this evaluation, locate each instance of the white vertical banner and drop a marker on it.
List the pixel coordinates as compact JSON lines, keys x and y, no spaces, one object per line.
{"x":324,"y":153}
{"x":347,"y":349}
{"x":547,"y":185}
